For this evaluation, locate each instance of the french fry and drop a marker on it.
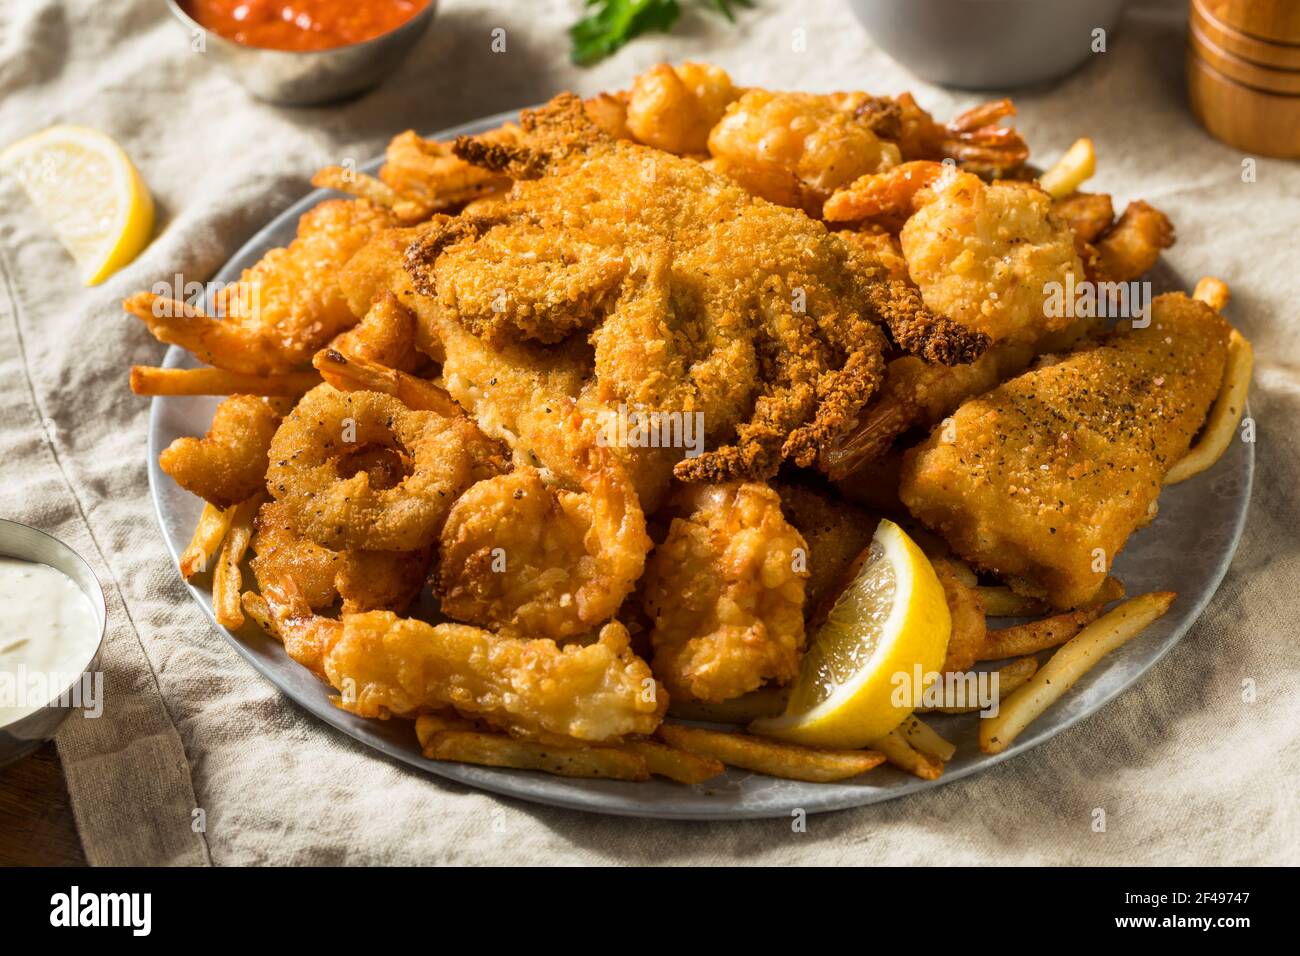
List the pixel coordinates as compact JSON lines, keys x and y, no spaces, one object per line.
{"x":1001,"y":601}
{"x":1035,"y":636}
{"x":1213,"y":292}
{"x":1004,"y":602}
{"x":367,"y":187}
{"x":148,"y":380}
{"x":673,"y":763}
{"x":255,"y":606}
{"x":426,"y":725}
{"x":1010,"y":677}
{"x":776,"y":759}
{"x":498,"y":750}
{"x":226,"y":578}
{"x":905,"y":757}
{"x":1067,"y":665}
{"x":765,"y":702}
{"x":211,"y":530}
{"x":1225,"y":414}
{"x":1072,"y":170}
{"x":926,"y":739}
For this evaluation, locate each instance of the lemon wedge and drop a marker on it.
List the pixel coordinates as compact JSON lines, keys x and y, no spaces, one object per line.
{"x":84,"y":186}
{"x":890,"y":619}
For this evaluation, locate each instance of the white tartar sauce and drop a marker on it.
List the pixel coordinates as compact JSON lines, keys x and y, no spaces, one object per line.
{"x":48,"y":634}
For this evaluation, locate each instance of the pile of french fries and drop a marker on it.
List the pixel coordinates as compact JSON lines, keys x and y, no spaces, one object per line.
{"x":693,"y":755}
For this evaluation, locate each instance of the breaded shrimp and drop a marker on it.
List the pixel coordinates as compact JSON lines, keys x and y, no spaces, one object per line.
{"x":284,"y":307}
{"x":228,"y":465}
{"x":725,"y":592}
{"x":673,"y":108}
{"x":550,"y":563}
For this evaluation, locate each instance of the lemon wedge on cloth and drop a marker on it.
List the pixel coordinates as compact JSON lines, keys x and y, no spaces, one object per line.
{"x":890,"y":619}
{"x":87,"y":190}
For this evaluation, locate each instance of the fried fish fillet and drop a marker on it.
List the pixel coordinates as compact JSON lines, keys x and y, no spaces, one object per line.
{"x":1042,"y":480}
{"x":384,"y":664}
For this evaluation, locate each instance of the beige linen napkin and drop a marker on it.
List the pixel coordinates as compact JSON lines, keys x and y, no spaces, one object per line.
{"x":1186,"y":770}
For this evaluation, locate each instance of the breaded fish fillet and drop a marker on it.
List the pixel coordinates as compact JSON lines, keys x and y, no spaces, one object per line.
{"x":385,"y":664}
{"x":1042,"y":480}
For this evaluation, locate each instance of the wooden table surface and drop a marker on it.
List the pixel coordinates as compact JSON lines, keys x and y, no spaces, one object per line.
{"x":36,"y":824}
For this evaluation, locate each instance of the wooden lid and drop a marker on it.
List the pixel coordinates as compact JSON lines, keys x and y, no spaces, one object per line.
{"x":1263,"y":52}
{"x":1266,"y":19}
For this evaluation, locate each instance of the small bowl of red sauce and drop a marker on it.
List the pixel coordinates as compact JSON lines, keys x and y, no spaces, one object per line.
{"x":305,"y":52}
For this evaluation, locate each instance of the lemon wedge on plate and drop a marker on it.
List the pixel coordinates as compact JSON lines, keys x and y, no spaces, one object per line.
{"x":84,"y":186}
{"x":891,"y":618}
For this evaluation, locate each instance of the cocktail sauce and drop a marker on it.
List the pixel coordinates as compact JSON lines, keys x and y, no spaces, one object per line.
{"x":301,"y":25}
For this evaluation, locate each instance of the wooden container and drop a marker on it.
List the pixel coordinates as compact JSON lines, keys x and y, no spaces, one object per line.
{"x":1246,"y":72}
{"x":1277,"y":20}
{"x":1269,"y":53}
{"x":1252,"y":120}
{"x":1243,"y":73}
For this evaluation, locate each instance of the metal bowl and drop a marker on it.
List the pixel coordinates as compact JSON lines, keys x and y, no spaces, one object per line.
{"x":309,"y":78}
{"x":987,"y":44}
{"x":22,"y":736}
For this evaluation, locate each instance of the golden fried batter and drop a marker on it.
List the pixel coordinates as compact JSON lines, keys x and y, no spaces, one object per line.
{"x":228,"y":465}
{"x":726,"y":594}
{"x":1042,"y":480}
{"x":809,"y":320}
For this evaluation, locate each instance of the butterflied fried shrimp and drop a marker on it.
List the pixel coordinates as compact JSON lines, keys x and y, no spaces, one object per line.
{"x":385,"y":665}
{"x":428,"y":173}
{"x":308,"y":455}
{"x":228,"y":465}
{"x":810,"y":321}
{"x":797,"y":148}
{"x":726,"y":594}
{"x":546,"y":562}
{"x":283,"y":308}
{"x":1087,"y":214}
{"x":673,"y":108}
{"x":365,"y":580}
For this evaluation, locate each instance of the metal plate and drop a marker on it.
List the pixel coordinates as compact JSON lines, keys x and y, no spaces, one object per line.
{"x":1186,"y":549}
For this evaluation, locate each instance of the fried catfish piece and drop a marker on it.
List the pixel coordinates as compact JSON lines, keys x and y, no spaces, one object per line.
{"x":1043,"y":479}
{"x":384,"y":664}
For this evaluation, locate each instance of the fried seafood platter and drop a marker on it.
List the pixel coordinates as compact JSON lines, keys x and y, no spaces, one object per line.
{"x":697,"y":426}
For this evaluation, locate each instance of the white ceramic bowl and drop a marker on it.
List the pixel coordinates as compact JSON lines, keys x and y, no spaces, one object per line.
{"x":21,"y":737}
{"x":987,"y":44}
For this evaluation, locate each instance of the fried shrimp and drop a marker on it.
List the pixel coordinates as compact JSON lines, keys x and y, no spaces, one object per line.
{"x":673,"y":108}
{"x":386,"y":335}
{"x":446,"y":455}
{"x":228,"y":465}
{"x":550,"y":563}
{"x":796,"y":149}
{"x":725,"y":592}
{"x":365,"y":580}
{"x":284,"y":307}
{"x":385,"y":665}
{"x":984,"y":255}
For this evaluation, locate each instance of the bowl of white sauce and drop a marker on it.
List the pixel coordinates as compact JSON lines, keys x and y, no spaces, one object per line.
{"x":52,"y":622}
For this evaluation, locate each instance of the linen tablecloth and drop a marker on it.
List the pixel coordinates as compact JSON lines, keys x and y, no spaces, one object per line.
{"x":1187,"y":767}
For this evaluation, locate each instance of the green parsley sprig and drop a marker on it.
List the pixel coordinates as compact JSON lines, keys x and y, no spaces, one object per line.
{"x":612,"y":23}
